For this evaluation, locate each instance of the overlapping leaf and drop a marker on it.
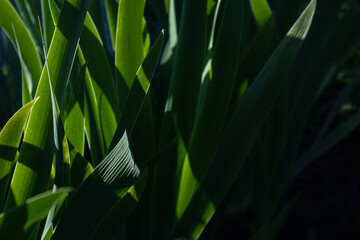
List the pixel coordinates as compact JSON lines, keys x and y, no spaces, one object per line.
{"x":243,"y":129}
{"x":33,"y":169}
{"x":9,"y":141}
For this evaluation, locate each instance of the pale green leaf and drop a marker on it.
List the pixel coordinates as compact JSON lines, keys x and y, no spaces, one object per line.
{"x":261,"y":11}
{"x":10,"y":137}
{"x":129,"y":51}
{"x":32,"y":171}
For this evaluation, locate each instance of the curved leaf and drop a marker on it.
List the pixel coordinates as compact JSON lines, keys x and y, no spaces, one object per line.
{"x":99,"y":193}
{"x":9,"y":19}
{"x":100,"y":85}
{"x":10,"y":137}
{"x":243,"y":129}
{"x":17,"y":223}
{"x":32,"y":171}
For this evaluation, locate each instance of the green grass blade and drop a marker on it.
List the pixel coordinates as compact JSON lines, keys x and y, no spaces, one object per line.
{"x":106,"y":103}
{"x":80,"y":168}
{"x":55,"y":11}
{"x":25,"y":74}
{"x":111,"y":13}
{"x":259,"y":52}
{"x":119,"y":214}
{"x":188,"y":67}
{"x":146,"y":37}
{"x":57,"y":132}
{"x":129,"y":51}
{"x":139,"y":90}
{"x":99,"y":82}
{"x":91,"y":130}
{"x":28,"y":13}
{"x":10,"y":137}
{"x":167,"y":59}
{"x":118,"y":169}
{"x":179,"y":114}
{"x":212,"y":117}
{"x":261,"y":11}
{"x":47,"y":24}
{"x":326,"y":45}
{"x":99,"y":193}
{"x":173,"y":35}
{"x":17,"y":223}
{"x":9,"y":19}
{"x":32,"y":171}
{"x":208,"y":67}
{"x":210,"y":6}
{"x":243,"y":129}
{"x":75,"y":120}
{"x":26,"y":96}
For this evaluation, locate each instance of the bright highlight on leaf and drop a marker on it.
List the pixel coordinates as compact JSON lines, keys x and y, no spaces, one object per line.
{"x":118,"y":167}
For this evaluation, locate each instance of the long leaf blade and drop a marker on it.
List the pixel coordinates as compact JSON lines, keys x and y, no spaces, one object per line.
{"x":129,"y":51}
{"x":10,"y":137}
{"x":100,"y":192}
{"x":9,"y":19}
{"x":243,"y":129}
{"x":139,"y":90}
{"x":21,"y":219}
{"x":33,"y":168}
{"x":212,"y":116}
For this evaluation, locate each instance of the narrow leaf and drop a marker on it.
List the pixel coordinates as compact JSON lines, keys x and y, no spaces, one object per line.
{"x":9,"y":19}
{"x":10,"y":137}
{"x":261,"y":11}
{"x":32,"y":171}
{"x":111,"y":13}
{"x":243,"y":129}
{"x":129,"y":51}
{"x":214,"y":110}
{"x":75,"y":120}
{"x":100,"y":192}
{"x":99,"y":82}
{"x":17,"y":223}
{"x":139,"y":90}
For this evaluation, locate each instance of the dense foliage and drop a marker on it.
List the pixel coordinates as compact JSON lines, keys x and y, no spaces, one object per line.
{"x":140,"y":119}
